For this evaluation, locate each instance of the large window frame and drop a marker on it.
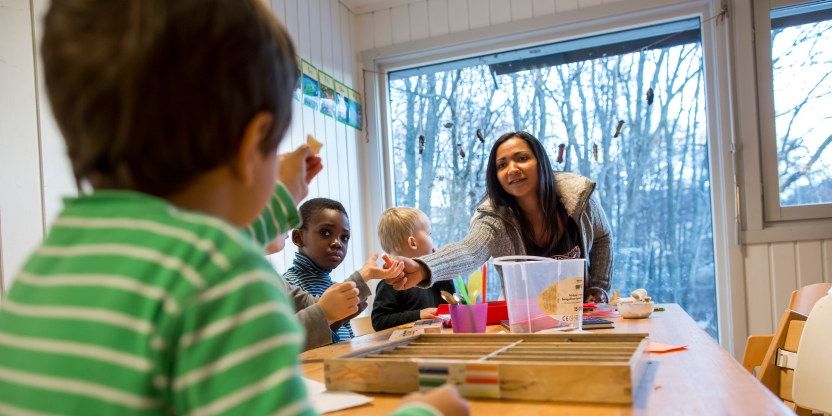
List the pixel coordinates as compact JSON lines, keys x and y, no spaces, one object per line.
{"x":764,"y":219}
{"x":565,"y":26}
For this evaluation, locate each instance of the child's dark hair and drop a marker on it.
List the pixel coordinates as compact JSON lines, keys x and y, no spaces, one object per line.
{"x":149,"y":94}
{"x":315,"y":205}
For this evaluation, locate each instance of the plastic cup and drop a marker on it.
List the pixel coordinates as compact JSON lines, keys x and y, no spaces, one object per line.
{"x":469,"y":318}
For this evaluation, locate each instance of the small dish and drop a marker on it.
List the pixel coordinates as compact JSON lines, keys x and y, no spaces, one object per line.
{"x":635,"y":310}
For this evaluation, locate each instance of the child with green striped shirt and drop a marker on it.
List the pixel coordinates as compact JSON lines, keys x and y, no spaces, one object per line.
{"x":146,"y":297}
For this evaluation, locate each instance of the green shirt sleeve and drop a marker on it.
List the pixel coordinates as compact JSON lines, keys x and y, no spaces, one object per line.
{"x":279,"y":216}
{"x":416,"y":409}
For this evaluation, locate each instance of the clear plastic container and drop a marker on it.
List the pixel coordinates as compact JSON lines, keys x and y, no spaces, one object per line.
{"x":543,"y":294}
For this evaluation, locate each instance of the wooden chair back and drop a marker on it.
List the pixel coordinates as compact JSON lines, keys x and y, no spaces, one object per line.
{"x":804,"y":299}
{"x":801,"y":301}
{"x":787,"y":338}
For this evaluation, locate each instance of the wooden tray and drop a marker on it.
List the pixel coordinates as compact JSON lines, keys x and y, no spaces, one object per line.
{"x":598,"y":368}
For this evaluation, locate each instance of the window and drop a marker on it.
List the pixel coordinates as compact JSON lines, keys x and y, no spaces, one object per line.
{"x":795,"y":84}
{"x":652,"y":172}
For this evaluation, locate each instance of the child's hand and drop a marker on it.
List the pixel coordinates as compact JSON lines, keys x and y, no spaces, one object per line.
{"x":277,"y":244}
{"x":370,"y":270}
{"x":427,"y":313}
{"x":445,"y":399}
{"x":297,"y":169}
{"x":339,"y":301}
{"x":337,"y":324}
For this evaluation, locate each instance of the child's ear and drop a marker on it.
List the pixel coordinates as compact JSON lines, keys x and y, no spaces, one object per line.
{"x":411,"y":242}
{"x":249,"y":154}
{"x":297,"y":238}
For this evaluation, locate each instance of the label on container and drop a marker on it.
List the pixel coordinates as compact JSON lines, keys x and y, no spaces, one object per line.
{"x":563,"y":299}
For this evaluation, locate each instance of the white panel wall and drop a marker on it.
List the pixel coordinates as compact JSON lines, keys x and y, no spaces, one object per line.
{"x":34,"y":170}
{"x":36,"y":173}
{"x":774,"y":270}
{"x":422,"y":19}
{"x":322,"y":31}
{"x":21,"y":203}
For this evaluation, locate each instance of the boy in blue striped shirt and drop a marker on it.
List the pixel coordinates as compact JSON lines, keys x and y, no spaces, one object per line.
{"x":322,"y":240}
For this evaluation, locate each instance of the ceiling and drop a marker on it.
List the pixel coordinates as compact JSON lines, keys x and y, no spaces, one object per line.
{"x":366,"y":6}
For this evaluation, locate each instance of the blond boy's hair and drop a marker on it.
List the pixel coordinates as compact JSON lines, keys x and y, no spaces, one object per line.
{"x":396,"y":225}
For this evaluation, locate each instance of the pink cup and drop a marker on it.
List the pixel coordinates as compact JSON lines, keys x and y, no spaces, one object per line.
{"x":469,"y":318}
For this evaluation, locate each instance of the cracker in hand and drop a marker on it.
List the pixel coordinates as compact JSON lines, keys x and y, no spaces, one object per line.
{"x":313,"y":144}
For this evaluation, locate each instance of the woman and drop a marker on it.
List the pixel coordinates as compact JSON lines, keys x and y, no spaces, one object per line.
{"x":529,"y":210}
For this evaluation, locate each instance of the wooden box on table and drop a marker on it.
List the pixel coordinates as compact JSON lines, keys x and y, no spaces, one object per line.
{"x":597,"y":368}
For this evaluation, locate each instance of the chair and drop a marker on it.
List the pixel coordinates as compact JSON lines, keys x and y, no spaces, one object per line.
{"x":814,"y":365}
{"x":362,"y":325}
{"x":801,"y":301}
{"x":773,"y":353}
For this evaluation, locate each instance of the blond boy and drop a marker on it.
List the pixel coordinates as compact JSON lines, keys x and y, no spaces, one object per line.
{"x":405,"y":231}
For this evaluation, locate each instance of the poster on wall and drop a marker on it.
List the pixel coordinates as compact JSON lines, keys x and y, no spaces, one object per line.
{"x":310,"y":87}
{"x":353,"y":109}
{"x":340,"y":102}
{"x":296,"y":92}
{"x":327,"y":84}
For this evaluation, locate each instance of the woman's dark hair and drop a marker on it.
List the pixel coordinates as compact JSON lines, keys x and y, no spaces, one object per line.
{"x":149,"y":94}
{"x":506,"y":204}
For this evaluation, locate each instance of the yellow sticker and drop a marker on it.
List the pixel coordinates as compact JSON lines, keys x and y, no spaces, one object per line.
{"x":562,"y":298}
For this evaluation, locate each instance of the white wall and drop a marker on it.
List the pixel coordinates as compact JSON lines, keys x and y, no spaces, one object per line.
{"x":34,"y":171}
{"x":322,"y":32}
{"x":25,"y":200}
{"x":774,"y":270}
{"x":424,"y":19}
{"x":767,"y":273}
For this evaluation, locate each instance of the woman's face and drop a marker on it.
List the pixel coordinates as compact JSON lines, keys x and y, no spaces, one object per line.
{"x":517,"y":168}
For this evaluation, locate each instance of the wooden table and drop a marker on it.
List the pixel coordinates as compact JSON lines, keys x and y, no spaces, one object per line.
{"x":702,"y":380}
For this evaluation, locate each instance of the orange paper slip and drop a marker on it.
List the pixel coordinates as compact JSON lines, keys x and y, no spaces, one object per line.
{"x":658,"y":347}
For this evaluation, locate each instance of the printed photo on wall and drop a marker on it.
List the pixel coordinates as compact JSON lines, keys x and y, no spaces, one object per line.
{"x":341,"y":102}
{"x":354,"y":109}
{"x":327,"y":94}
{"x":296,"y":92}
{"x":310,"y":87}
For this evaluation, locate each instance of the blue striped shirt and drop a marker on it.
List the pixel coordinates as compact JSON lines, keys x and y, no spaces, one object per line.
{"x":315,"y":280}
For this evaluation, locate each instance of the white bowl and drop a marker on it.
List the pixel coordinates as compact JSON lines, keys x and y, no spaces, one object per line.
{"x":635,"y":310}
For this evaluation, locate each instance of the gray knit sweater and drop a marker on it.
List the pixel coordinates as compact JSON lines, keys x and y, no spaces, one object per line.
{"x":488,"y":236}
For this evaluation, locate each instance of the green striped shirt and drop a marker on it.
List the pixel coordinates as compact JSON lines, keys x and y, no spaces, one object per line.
{"x":134,"y":307}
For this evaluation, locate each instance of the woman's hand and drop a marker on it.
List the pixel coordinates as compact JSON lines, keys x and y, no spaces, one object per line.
{"x":596,"y":295}
{"x":414,"y":273}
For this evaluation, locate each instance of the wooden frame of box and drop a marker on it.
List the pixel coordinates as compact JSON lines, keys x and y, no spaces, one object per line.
{"x":597,"y":368}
